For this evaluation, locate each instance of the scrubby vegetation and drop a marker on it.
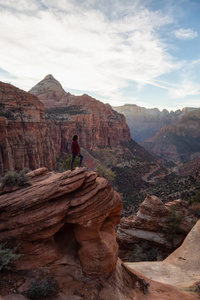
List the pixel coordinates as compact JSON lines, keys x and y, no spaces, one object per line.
{"x":14,"y":179}
{"x":169,"y":188}
{"x":66,"y":162}
{"x":195,"y":198}
{"x":62,"y":113}
{"x":106,"y":173}
{"x":7,"y":256}
{"x":42,"y":288}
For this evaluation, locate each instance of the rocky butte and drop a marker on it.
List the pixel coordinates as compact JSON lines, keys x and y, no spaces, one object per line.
{"x":24,"y":136}
{"x":64,"y":225}
{"x":97,"y":124}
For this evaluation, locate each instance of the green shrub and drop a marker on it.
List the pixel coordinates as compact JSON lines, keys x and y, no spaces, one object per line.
{"x":14,"y":178}
{"x":41,"y":288}
{"x":66,"y":164}
{"x":106,"y":173}
{"x":7,"y":256}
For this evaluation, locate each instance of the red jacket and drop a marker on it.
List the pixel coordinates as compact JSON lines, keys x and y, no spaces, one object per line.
{"x":75,"y":147}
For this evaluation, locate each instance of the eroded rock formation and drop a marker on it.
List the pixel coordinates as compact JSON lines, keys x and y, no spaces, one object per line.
{"x":97,"y":124}
{"x":154,"y":224}
{"x":24,"y":137}
{"x":60,"y":215}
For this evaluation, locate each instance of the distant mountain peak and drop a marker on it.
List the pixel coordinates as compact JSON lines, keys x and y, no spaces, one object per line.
{"x":47,"y":84}
{"x":50,"y":76}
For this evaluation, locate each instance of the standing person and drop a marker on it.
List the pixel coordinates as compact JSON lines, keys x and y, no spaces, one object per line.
{"x":75,"y":151}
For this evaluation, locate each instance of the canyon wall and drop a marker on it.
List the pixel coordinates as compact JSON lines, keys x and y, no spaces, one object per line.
{"x":24,"y":136}
{"x":144,"y":123}
{"x":178,"y":142}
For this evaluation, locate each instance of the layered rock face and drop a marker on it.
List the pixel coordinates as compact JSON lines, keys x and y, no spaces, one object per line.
{"x":153,"y":224}
{"x":178,"y":142}
{"x":24,"y":137}
{"x":96,"y":124}
{"x":63,"y":216}
{"x":144,"y":123}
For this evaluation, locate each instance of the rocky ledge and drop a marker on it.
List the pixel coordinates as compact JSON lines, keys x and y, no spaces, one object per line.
{"x":60,"y":215}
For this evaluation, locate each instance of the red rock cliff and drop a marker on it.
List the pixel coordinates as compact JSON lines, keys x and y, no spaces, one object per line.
{"x":24,"y":137}
{"x":97,"y":124}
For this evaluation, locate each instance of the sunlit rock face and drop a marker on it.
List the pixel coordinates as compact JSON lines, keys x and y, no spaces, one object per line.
{"x":24,"y":136}
{"x":63,"y":216}
{"x":97,"y":124}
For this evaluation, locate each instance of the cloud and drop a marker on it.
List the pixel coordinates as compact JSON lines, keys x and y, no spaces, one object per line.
{"x":185,"y":34}
{"x":101,"y":47}
{"x":185,"y":88}
{"x":82,"y":47}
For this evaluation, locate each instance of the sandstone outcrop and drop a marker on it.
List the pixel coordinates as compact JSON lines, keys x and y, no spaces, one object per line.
{"x":97,"y":124}
{"x":61,"y":216}
{"x":154,"y":224}
{"x":179,"y":142}
{"x":144,"y":123}
{"x":181,"y":269}
{"x":24,"y":136}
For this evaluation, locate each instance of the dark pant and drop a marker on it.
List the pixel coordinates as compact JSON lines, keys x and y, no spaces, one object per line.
{"x":73,"y":158}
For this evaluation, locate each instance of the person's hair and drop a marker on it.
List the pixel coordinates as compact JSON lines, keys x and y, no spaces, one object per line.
{"x":75,"y":137}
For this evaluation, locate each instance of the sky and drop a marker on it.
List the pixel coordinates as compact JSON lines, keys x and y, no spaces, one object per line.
{"x":143,"y":52}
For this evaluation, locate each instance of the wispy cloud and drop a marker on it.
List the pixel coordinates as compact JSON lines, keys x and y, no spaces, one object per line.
{"x":186,"y":88}
{"x":185,"y":34}
{"x":98,"y":46}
